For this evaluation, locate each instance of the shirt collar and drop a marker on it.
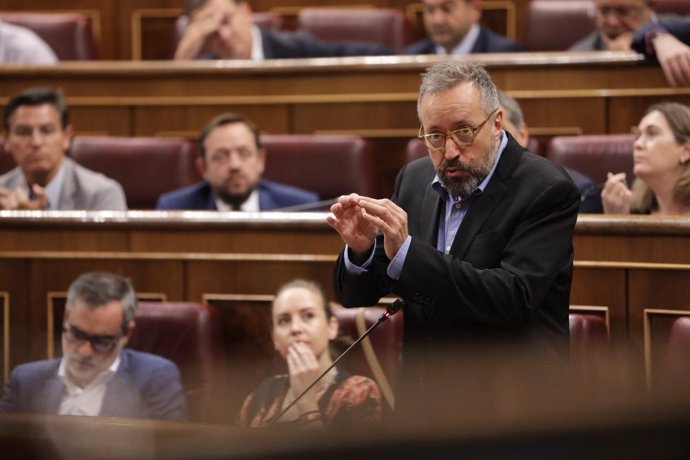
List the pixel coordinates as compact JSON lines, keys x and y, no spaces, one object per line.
{"x":466,"y":45}
{"x":257,"y":44}
{"x":53,"y":188}
{"x":441,"y":189}
{"x":101,"y":379}
{"x":251,"y":204}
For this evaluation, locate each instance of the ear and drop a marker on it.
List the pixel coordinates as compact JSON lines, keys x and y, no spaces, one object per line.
{"x":200,"y":164}
{"x":333,"y":326}
{"x":262,"y":160}
{"x":685,"y":153}
{"x":67,"y":138}
{"x":128,"y":332}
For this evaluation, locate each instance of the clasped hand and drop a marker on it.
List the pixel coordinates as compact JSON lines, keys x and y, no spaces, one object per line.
{"x":17,"y":199}
{"x":358,"y":219}
{"x":615,"y":196}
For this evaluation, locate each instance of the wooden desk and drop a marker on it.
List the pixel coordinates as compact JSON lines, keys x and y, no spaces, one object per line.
{"x":578,"y":93}
{"x":622,"y":264}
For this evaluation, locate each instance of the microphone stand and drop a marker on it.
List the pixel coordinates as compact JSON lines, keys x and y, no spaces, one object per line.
{"x":390,"y":311}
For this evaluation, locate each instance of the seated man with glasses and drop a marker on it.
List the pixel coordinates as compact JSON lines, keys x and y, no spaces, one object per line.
{"x":96,"y":374}
{"x":616,"y":22}
{"x":477,"y":240}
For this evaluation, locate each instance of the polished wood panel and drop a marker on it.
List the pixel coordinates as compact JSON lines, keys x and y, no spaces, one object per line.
{"x":623,"y":264}
{"x":578,"y":93}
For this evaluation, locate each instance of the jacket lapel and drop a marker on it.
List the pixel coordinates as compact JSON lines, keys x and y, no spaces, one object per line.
{"x":122,"y":398}
{"x":49,"y":399}
{"x":494,"y":193}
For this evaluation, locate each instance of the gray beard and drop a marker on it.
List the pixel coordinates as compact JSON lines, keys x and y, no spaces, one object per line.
{"x":464,"y":186}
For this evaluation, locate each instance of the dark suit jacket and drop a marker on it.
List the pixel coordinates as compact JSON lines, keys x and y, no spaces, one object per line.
{"x":302,"y":44}
{"x":679,"y":29}
{"x":145,"y":386}
{"x":272,"y":195}
{"x":487,"y":42}
{"x":508,"y":274}
{"x":590,"y":193}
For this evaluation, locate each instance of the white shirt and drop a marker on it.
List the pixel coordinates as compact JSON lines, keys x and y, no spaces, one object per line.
{"x":251,"y":204}
{"x":465,"y":46}
{"x":87,"y":400}
{"x":257,"y":44}
{"x":22,"y":45}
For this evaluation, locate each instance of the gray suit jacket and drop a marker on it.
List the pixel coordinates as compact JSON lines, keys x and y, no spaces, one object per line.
{"x":82,"y":189}
{"x":145,"y":386}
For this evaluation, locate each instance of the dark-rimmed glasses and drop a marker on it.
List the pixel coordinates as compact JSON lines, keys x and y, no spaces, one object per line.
{"x":99,"y":343}
{"x":462,"y":136}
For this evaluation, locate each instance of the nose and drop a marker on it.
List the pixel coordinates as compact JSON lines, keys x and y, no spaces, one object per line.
{"x":36,"y":137}
{"x":451,"y":150}
{"x":85,"y":349}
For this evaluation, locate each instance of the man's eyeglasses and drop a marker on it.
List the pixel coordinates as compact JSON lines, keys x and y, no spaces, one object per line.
{"x":619,"y":11}
{"x":99,"y":343}
{"x":462,"y":136}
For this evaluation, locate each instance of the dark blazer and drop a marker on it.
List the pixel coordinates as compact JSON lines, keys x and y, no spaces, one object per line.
{"x":302,"y":44}
{"x":508,"y":274}
{"x":145,"y":386}
{"x":272,"y":195}
{"x":487,"y":42}
{"x":590,"y":193}
{"x":679,"y":29}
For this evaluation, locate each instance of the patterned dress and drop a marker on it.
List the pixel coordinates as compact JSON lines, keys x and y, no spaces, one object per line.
{"x":351,"y":401}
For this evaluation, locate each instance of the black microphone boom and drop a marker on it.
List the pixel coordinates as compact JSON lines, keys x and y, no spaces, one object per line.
{"x":390,"y":311}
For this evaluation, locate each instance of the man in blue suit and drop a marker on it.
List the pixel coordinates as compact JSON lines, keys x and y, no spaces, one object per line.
{"x":231,"y":162}
{"x":453,"y":28}
{"x":223,"y":29}
{"x":96,"y":374}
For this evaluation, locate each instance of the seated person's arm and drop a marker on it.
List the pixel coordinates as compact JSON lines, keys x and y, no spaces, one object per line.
{"x":203,"y":23}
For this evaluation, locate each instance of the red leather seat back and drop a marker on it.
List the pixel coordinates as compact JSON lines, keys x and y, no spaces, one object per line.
{"x":680,"y":7}
{"x":6,"y":160}
{"x":328,"y":165}
{"x":189,"y":335}
{"x":554,"y":25}
{"x":676,"y":366}
{"x":144,"y":166}
{"x":594,"y":155}
{"x":70,"y":35}
{"x":387,"y":26}
{"x":589,"y":345}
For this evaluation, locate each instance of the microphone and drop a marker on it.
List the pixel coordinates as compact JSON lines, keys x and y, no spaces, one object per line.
{"x":306,"y":206}
{"x":390,"y":311}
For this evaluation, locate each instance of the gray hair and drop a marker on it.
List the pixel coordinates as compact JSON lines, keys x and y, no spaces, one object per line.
{"x":513,"y":110}
{"x":95,"y":289}
{"x":449,"y":73}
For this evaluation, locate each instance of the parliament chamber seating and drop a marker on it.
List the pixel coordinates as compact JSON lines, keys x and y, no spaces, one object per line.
{"x":189,"y":335}
{"x":388,"y":26}
{"x":554,"y":25}
{"x":376,"y":356}
{"x":144,"y":166}
{"x":589,"y":346}
{"x":329,"y":165}
{"x":594,"y":155}
{"x":667,"y":349}
{"x":70,"y":35}
{"x":681,"y":7}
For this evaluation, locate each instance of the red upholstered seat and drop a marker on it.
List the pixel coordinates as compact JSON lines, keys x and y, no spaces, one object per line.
{"x":589,"y":345}
{"x":189,"y":335}
{"x":376,"y":356}
{"x":554,"y":25}
{"x":144,"y":166}
{"x":327,"y":165}
{"x":70,"y":35}
{"x":676,"y":364}
{"x":387,"y":26}
{"x":594,"y":155}
{"x":6,"y":160}
{"x":681,"y":7}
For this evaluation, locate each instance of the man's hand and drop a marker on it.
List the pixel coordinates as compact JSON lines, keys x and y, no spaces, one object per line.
{"x":622,"y":42}
{"x":674,"y":57}
{"x":349,"y":220}
{"x":202,"y":25}
{"x":17,"y":199}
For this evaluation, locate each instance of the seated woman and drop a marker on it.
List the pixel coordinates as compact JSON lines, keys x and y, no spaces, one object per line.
{"x":661,"y":166}
{"x":302,"y":327}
